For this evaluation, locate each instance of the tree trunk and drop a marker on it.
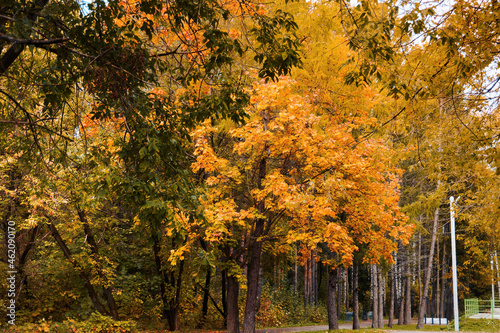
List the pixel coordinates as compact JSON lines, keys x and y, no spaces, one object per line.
{"x":15,"y":50}
{"x":172,"y":312}
{"x":392,"y":299}
{"x":333,"y":319}
{"x":255,"y":251}
{"x":437,"y":293}
{"x":176,"y":302}
{"x":407,"y":319}
{"x":338,"y":295}
{"x":314,"y":282}
{"x":259,"y":289}
{"x":428,"y":270}
{"x":233,"y":290}
{"x":224,"y":296}
{"x":355,"y":296}
{"x":402,"y":281}
{"x":443,"y":279}
{"x":443,"y":289}
{"x":308,"y":281}
{"x":163,"y":294}
{"x":206,"y":294}
{"x":253,"y":279}
{"x":381,"y":289}
{"x":32,"y":234}
{"x":419,"y":266}
{"x":86,"y":279}
{"x":375,"y":292}
{"x":295,"y":273}
{"x":401,"y":308}
{"x":108,"y":293}
{"x":171,"y":305}
{"x":498,"y":272}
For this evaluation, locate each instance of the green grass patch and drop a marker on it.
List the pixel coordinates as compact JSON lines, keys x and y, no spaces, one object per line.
{"x":476,"y":325}
{"x":362,"y":330}
{"x":413,"y":327}
{"x":303,"y":324}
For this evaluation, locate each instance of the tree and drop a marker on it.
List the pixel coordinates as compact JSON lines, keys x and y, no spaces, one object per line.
{"x":154,"y":70}
{"x":272,"y":181}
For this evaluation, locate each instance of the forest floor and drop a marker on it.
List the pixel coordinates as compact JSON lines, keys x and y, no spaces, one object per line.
{"x":363,"y":324}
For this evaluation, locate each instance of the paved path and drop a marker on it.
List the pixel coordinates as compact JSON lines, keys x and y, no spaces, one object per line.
{"x":363,"y":324}
{"x":324,"y":328}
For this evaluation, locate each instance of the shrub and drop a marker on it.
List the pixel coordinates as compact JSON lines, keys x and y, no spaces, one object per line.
{"x":96,"y":323}
{"x":281,"y":307}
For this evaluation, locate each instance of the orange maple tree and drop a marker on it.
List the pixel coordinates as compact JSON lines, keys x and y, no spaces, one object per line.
{"x":295,"y":173}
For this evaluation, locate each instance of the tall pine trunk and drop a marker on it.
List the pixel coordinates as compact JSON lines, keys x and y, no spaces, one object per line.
{"x":428,"y":271}
{"x":307,"y":283}
{"x":401,"y":298}
{"x":355,"y":296}
{"x":375,"y":295}
{"x":392,"y":299}
{"x":407,"y":319}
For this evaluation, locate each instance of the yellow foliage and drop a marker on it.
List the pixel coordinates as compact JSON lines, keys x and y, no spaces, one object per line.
{"x":297,"y":163}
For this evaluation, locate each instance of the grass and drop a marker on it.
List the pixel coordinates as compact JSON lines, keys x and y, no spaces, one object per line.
{"x":362,"y":330}
{"x":413,"y":327}
{"x":466,"y":325}
{"x":302,"y":324}
{"x":477,"y":325}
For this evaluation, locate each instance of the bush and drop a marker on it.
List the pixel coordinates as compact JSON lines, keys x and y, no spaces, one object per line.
{"x":281,"y":307}
{"x":96,"y":323}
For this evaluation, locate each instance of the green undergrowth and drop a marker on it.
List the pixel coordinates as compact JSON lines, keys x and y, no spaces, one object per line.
{"x":362,"y":330}
{"x":476,"y":325}
{"x":413,"y":327}
{"x":300,"y":324}
{"x":280,"y":307}
{"x":96,"y":323}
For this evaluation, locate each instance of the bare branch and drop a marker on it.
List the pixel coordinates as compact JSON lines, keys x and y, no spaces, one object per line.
{"x":35,"y":42}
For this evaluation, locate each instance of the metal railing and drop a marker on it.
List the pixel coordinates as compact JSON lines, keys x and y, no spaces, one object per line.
{"x":482,"y":308}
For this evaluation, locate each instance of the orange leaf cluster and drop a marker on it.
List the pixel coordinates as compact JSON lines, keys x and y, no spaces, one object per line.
{"x":322,"y":185}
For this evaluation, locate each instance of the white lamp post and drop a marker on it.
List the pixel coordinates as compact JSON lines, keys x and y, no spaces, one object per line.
{"x":492,"y":289}
{"x":454,"y":263}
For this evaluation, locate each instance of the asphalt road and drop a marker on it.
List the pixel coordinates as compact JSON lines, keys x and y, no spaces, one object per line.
{"x":367,"y":323}
{"x":324,"y":328}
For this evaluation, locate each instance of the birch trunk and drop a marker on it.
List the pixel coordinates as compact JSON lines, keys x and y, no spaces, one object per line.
{"x":381,"y":294}
{"x":375,"y":297}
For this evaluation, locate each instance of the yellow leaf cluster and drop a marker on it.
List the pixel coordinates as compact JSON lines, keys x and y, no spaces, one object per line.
{"x":293,"y":160}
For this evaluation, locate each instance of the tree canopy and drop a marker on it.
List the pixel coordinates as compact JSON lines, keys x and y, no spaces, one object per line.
{"x":195,"y":163}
